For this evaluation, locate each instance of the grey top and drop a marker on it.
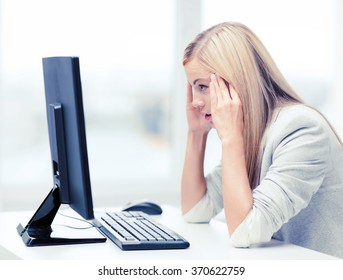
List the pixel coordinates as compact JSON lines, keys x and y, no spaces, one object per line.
{"x":300,"y":196}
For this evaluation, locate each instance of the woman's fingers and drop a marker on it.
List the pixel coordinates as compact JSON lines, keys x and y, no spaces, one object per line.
{"x":234,"y":95}
{"x":216,"y":93}
{"x":224,"y":89}
{"x":216,"y":89}
{"x":213,"y":95}
{"x":221,"y":89}
{"x":189,"y":93}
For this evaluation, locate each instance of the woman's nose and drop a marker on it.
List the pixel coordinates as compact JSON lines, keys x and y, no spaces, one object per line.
{"x":197,"y":103}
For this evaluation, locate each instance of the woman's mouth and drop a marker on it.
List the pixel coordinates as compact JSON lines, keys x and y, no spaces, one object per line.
{"x":208,"y":117}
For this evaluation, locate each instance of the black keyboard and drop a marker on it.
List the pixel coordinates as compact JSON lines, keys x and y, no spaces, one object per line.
{"x":137,"y":231}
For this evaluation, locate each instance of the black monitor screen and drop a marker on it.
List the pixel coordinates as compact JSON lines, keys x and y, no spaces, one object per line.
{"x":67,"y":133}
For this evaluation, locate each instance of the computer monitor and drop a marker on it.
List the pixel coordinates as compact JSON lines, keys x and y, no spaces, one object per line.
{"x":67,"y":135}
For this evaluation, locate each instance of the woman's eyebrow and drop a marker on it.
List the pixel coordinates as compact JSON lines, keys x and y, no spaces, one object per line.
{"x":198,"y":80}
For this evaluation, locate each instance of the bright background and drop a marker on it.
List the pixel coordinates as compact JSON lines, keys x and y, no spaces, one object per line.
{"x":134,"y":86}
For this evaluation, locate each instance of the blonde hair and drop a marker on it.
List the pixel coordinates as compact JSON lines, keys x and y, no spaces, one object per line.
{"x":233,"y":51}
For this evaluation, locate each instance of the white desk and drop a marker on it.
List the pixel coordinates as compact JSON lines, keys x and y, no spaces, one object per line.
{"x":208,"y":242}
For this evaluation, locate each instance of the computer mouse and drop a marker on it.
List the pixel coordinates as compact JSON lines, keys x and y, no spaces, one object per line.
{"x":146,"y":207}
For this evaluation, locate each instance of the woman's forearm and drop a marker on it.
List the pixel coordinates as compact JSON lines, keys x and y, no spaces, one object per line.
{"x":237,"y":193}
{"x":193,"y":185}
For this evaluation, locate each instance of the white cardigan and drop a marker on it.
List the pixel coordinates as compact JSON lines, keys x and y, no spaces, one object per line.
{"x":300,"y":196}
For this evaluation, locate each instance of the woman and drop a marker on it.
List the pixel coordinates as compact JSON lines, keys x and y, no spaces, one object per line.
{"x":281,"y":171}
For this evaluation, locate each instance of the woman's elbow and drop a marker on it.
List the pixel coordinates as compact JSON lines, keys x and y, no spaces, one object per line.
{"x":196,"y":219}
{"x":253,"y":230}
{"x":246,"y":242}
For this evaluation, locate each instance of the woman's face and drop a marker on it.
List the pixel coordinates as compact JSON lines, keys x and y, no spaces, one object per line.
{"x":199,"y":78}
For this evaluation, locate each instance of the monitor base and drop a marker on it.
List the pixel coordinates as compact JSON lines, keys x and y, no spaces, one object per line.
{"x":38,"y":230}
{"x":37,"y":237}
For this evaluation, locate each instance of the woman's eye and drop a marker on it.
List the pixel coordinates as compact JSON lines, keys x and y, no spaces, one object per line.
{"x":203,"y":87}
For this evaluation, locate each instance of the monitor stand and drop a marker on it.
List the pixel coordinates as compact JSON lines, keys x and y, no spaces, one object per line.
{"x":38,"y":231}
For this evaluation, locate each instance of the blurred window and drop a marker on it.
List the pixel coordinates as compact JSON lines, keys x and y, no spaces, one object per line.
{"x":125,"y":50}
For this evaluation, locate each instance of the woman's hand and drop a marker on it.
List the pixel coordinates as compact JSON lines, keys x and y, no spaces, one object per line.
{"x":193,"y":184}
{"x":226,"y":110}
{"x":227,"y":117}
{"x":196,"y":120}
